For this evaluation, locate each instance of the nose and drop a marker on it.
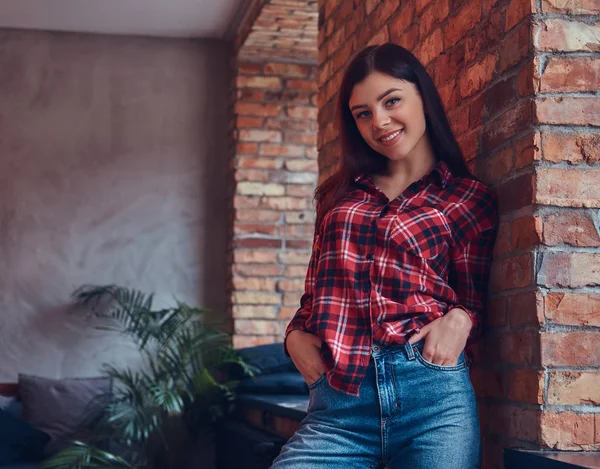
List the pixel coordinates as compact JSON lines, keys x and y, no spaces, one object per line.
{"x":380,"y":120}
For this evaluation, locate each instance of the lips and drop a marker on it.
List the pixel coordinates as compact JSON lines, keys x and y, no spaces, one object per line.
{"x":391,"y":137}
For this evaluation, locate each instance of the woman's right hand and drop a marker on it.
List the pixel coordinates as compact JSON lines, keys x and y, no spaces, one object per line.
{"x":304,"y":349}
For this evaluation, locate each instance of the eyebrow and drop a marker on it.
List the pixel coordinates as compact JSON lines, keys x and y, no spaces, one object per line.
{"x":379,"y":98}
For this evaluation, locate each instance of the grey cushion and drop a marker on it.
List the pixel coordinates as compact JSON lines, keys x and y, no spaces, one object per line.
{"x":60,"y":407}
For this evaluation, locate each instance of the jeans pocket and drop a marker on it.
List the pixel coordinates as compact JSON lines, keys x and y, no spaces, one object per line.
{"x":319,"y":380}
{"x":461,"y":365}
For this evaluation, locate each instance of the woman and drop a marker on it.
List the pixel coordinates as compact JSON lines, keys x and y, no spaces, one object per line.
{"x":396,"y":283}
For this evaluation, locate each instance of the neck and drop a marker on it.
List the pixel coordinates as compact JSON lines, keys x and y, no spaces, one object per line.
{"x":415,"y":165}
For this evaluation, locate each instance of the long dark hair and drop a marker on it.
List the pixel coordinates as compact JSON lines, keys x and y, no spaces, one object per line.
{"x":357,"y":157}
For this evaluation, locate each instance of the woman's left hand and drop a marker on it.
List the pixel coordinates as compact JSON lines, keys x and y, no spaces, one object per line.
{"x":445,"y":337}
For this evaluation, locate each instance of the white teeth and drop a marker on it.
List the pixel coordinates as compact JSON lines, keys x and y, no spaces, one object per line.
{"x":390,"y":137}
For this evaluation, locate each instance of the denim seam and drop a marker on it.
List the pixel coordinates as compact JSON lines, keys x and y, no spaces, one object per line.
{"x":433,"y":366}
{"x":319,"y":380}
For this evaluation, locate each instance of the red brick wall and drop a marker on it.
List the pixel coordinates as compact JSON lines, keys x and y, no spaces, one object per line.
{"x":518,"y":80}
{"x":275,"y":172}
{"x":274,"y":166}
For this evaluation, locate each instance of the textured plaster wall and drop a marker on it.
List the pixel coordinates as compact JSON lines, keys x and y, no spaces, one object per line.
{"x":112,"y":170}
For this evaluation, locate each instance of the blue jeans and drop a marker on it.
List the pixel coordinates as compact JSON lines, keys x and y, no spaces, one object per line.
{"x":410,"y":414}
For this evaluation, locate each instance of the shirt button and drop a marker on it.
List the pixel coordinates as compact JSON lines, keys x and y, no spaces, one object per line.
{"x":375,"y":348}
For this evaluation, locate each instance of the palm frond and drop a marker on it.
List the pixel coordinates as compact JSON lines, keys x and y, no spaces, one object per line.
{"x":83,"y":456}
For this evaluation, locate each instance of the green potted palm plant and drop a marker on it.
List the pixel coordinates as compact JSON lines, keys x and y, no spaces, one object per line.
{"x":173,"y":397}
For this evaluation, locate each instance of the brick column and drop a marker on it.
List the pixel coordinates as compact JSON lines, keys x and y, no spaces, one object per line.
{"x":274,"y":168}
{"x":519,"y":80}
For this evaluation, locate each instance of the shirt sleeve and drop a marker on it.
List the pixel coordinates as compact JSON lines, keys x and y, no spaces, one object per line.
{"x":469,"y":276}
{"x":299,"y":320}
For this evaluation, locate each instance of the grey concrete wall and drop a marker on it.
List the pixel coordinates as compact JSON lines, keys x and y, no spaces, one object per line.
{"x":112,"y":170}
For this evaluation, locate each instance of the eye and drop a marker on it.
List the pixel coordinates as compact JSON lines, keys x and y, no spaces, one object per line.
{"x":361,"y":114}
{"x":392,"y":101}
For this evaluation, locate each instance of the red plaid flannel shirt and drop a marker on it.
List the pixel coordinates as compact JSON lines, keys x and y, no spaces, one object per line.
{"x":380,"y":270}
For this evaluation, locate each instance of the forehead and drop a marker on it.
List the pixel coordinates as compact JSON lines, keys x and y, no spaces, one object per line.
{"x":374,"y":85}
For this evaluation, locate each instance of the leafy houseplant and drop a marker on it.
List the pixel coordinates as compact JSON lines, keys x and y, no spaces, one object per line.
{"x":177,"y":382}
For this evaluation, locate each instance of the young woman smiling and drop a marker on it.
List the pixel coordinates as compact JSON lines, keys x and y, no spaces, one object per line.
{"x":395,"y":288}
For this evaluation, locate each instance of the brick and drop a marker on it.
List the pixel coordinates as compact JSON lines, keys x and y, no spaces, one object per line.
{"x":298,"y":190}
{"x":575,"y":348}
{"x":290,"y":285}
{"x":248,"y":94}
{"x":281,"y":150}
{"x":528,"y":80}
{"x":302,"y":85}
{"x":528,"y":150}
{"x":503,"y":239}
{"x":430,"y":48}
{"x":525,"y":309}
{"x":526,"y":232}
{"x":257,"y":326}
{"x":568,"y":431}
{"x":286,"y":70}
{"x":243,"y":202}
{"x":302,"y":165}
{"x":505,"y":126}
{"x":516,"y":193}
{"x":577,"y":269}
{"x":571,"y":74}
{"x":420,"y":5}
{"x":568,"y":187}
{"x":249,"y":68}
{"x":486,"y":36}
{"x":562,"y":35}
{"x":258,"y":82}
{"x":252,"y":311}
{"x":284,"y":203}
{"x":401,"y":20}
{"x":244,"y":148}
{"x":301,"y":138}
{"x":515,"y":348}
{"x":408,"y":39}
{"x":277,"y":123}
{"x":578,"y":147}
{"x":525,"y":386}
{"x":254,"y":175}
{"x":568,"y":111}
{"x":257,"y":215}
{"x":258,"y":243}
{"x":255,"y":188}
{"x":295,"y":271}
{"x":256,"y":135}
{"x":256,"y":109}
{"x":573,"y":309}
{"x":294,"y":258}
{"x":477,"y":76}
{"x":515,"y":421}
{"x":518,"y":10}
{"x":298,"y":244}
{"x":574,"y":388}
{"x":512,"y":272}
{"x":253,"y":283}
{"x":300,"y":217}
{"x":244,"y":341}
{"x":270,"y":270}
{"x":515,"y":47}
{"x":500,"y":96}
{"x":301,"y":112}
{"x":571,"y":227}
{"x":433,"y":16}
{"x":247,"y":162}
{"x":496,"y":166}
{"x":448,"y":63}
{"x":292,"y":298}
{"x":299,"y":231}
{"x":469,"y":144}
{"x":571,"y":7}
{"x":254,"y":256}
{"x":248,"y":122}
{"x":496,"y":314}
{"x":460,"y":23}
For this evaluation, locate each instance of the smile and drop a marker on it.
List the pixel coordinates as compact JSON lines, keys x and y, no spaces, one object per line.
{"x":391,"y":138}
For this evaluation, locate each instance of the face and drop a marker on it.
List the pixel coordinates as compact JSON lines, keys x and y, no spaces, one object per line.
{"x":389,"y":115}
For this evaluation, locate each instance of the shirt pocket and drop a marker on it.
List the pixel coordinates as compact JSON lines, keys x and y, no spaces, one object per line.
{"x":425,"y":232}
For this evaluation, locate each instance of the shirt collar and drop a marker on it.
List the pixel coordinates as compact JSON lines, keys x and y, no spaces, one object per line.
{"x":439,"y":174}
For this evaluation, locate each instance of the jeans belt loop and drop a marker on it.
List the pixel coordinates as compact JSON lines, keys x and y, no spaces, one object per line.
{"x":410,"y":353}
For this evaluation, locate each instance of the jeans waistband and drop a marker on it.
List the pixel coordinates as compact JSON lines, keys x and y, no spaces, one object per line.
{"x":380,"y":350}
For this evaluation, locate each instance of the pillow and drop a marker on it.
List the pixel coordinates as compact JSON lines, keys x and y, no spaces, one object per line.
{"x":19,"y":441}
{"x":60,"y":407}
{"x":267,"y":359}
{"x":276,"y":383}
{"x":12,"y":405}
